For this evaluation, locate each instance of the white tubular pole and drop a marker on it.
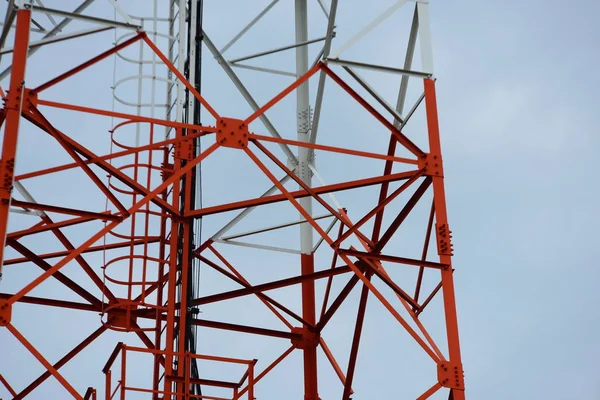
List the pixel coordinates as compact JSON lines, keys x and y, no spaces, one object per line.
{"x":425,"y":38}
{"x":303,"y":120}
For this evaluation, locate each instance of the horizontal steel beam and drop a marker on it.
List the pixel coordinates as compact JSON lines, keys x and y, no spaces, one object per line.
{"x":393,"y":259}
{"x":277,"y":50}
{"x":380,"y":68}
{"x":299,"y":194}
{"x":271,"y":285}
{"x":88,"y":18}
{"x":61,"y":38}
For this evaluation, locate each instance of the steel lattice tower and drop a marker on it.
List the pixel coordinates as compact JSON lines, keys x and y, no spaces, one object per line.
{"x":152,"y":264}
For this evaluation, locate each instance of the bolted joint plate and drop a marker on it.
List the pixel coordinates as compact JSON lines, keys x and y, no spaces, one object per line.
{"x":5,"y":312}
{"x":184,"y":150}
{"x":432,"y":164}
{"x":232,"y":133}
{"x":28,"y":101}
{"x":444,"y":240}
{"x":451,"y":375}
{"x":308,"y":338}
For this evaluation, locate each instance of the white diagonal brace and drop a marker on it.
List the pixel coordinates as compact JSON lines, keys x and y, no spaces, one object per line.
{"x":246,"y":94}
{"x":246,"y":211}
{"x":247,"y":27}
{"x":322,"y":78}
{"x":382,"y":17}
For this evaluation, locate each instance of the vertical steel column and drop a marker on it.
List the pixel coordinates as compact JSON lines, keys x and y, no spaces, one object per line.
{"x":171,"y":331}
{"x":14,"y":103}
{"x":441,"y":219}
{"x":304,"y":172}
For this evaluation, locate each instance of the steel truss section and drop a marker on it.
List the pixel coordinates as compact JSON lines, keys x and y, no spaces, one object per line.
{"x":154,"y":182}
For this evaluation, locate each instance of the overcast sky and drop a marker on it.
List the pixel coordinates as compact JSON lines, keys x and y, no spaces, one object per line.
{"x":517,"y":94}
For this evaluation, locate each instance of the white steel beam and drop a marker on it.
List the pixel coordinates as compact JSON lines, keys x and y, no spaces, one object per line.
{"x":322,"y":238}
{"x":60,"y":38}
{"x":374,"y":93}
{"x":122,"y":13}
{"x":50,"y":17}
{"x":303,"y":118}
{"x":247,"y":27}
{"x":243,"y":214}
{"x":56,"y":30}
{"x":408,"y":60}
{"x":258,"y":246}
{"x":425,"y":38}
{"x":380,"y":68}
{"x":262,"y":69}
{"x":273,"y":227}
{"x":368,"y":28}
{"x":246,"y":94}
{"x":89,"y":18}
{"x":277,"y":50}
{"x":322,"y":77}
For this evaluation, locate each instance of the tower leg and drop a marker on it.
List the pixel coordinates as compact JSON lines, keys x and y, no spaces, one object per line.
{"x":306,"y":231}
{"x":445,"y":253}
{"x":14,"y":102}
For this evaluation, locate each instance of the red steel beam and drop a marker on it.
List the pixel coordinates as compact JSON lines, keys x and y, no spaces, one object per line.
{"x":270,"y":285}
{"x":66,"y":358}
{"x":425,"y":251}
{"x":128,"y":117}
{"x":108,"y":246}
{"x":244,"y":328}
{"x":392,"y":285}
{"x":68,"y":211}
{"x":180,"y":76}
{"x":307,"y":188}
{"x":300,"y":193}
{"x":281,"y":95}
{"x":87,"y":64}
{"x":60,"y":138}
{"x":360,"y":318}
{"x":261,"y":296}
{"x":330,"y":279}
{"x":57,"y":275}
{"x":346,"y":259}
{"x":80,"y":260}
{"x":43,"y":361}
{"x":237,"y":328}
{"x":107,"y":167}
{"x":7,"y":386}
{"x":158,"y":146}
{"x":410,"y":205}
{"x":384,"y":189}
{"x":403,"y":140}
{"x":337,"y":302}
{"x":429,"y":298}
{"x":379,"y":207}
{"x":14,"y":104}
{"x":441,"y":218}
{"x":333,"y":149}
{"x":266,"y":300}
{"x":393,"y":259}
{"x":48,"y":227}
{"x":52,"y":302}
{"x":176,"y":175}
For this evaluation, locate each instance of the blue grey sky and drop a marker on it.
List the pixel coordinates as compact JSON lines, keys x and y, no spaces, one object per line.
{"x":517,"y":96}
